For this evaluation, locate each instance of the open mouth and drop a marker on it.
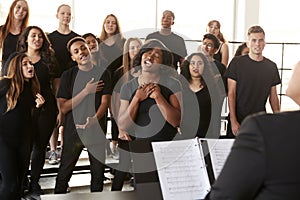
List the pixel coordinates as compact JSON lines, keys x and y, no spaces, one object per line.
{"x":148,"y":63}
{"x":83,"y":58}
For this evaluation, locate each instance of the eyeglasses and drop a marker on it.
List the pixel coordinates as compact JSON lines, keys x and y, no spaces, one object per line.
{"x":209,"y":46}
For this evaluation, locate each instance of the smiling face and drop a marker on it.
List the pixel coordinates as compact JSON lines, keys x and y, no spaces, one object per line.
{"x":27,"y":69}
{"x":134,"y":47}
{"x":20,"y":10}
{"x":80,"y":53}
{"x":196,"y":66}
{"x":92,"y":44}
{"x":35,"y":39}
{"x":256,"y":43}
{"x":110,"y":25}
{"x":209,"y":47}
{"x":151,"y":60}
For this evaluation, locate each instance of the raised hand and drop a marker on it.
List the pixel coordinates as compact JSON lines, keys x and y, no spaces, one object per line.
{"x":39,"y":100}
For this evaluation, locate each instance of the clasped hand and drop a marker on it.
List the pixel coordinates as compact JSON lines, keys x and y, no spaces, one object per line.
{"x":144,"y":91}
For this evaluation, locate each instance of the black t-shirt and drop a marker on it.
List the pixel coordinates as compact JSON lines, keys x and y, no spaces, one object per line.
{"x":254,"y":81}
{"x":72,"y":82}
{"x":45,"y":76}
{"x":195,"y":120}
{"x":59,"y":44}
{"x":113,"y":55}
{"x":175,"y":44}
{"x":222,"y":69}
{"x":9,"y":46}
{"x":16,"y":124}
{"x":150,"y":124}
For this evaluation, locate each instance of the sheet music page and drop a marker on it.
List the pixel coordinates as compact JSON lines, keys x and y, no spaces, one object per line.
{"x":181,"y":169}
{"x":219,"y":150}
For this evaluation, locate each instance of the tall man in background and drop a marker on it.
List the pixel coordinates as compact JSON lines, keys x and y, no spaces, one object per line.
{"x":252,"y":79}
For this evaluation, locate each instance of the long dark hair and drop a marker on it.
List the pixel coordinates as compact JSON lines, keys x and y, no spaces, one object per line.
{"x":16,"y":78}
{"x":185,"y":67}
{"x":46,"y":51}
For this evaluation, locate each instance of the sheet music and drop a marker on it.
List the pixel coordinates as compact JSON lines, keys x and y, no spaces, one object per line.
{"x":181,"y":169}
{"x":219,"y":150}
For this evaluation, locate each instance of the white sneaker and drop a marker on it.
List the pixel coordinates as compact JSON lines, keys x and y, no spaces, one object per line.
{"x":114,"y":151}
{"x":53,"y":158}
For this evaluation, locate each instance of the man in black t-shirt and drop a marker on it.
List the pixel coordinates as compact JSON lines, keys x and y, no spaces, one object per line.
{"x":83,"y":96}
{"x":173,"y":41}
{"x":252,"y":79}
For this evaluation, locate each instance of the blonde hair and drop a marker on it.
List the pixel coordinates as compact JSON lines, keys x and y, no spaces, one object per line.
{"x":127,"y":62}
{"x":16,"y":79}
{"x":103,"y":36}
{"x":62,"y":5}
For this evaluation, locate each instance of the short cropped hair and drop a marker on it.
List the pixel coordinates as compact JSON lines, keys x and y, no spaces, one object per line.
{"x":74,"y":39}
{"x":169,"y":11}
{"x":255,"y":29}
{"x":212,"y":37}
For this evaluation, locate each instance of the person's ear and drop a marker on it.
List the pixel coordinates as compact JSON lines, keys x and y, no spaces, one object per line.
{"x":247,"y":43}
{"x":73,"y":58}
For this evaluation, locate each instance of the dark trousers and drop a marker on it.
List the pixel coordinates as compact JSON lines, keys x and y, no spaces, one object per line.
{"x":14,"y":163}
{"x":123,"y":167}
{"x":229,"y":133}
{"x":45,"y":122}
{"x":71,"y":151}
{"x":114,"y":129}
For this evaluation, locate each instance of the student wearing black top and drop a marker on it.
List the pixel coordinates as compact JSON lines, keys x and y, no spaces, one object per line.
{"x":172,"y":41}
{"x":264,"y":161}
{"x":35,"y":43}
{"x":111,"y":47}
{"x":155,"y":87}
{"x":222,"y":53}
{"x":195,"y":119}
{"x":252,"y":80}
{"x":124,"y":74}
{"x":84,"y":101}
{"x":19,"y":95}
{"x":59,"y":39}
{"x":16,"y":22}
